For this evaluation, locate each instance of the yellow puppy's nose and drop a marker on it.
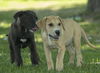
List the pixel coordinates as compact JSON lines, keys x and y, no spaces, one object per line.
{"x":57,"y":32}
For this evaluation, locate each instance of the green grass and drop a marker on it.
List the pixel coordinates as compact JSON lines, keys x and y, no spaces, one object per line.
{"x":65,"y":9}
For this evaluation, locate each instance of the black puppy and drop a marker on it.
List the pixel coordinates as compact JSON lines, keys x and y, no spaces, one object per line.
{"x":21,"y":36}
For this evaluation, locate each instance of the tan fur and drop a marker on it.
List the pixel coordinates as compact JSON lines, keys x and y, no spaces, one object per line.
{"x":69,"y":39}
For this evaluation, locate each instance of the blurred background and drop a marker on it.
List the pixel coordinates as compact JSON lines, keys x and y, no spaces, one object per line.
{"x":85,"y":12}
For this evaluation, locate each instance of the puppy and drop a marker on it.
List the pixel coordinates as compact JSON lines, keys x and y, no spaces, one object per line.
{"x":21,"y":36}
{"x":64,"y":34}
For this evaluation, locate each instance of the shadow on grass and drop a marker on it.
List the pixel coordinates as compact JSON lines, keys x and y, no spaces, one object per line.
{"x":7,"y":16}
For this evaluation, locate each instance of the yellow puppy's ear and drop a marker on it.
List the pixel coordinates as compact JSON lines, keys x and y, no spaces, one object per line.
{"x":61,"y":22}
{"x":41,"y":23}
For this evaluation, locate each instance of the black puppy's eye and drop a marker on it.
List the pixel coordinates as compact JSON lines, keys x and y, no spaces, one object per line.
{"x":50,"y":24}
{"x":59,"y":24}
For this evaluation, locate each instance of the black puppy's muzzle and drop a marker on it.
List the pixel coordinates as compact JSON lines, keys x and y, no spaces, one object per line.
{"x":33,"y":29}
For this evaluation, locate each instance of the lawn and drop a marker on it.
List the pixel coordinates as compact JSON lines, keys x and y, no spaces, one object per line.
{"x":65,"y":9}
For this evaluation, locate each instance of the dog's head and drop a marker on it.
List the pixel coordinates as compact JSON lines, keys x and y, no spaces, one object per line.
{"x":26,"y":20}
{"x":53,"y":25}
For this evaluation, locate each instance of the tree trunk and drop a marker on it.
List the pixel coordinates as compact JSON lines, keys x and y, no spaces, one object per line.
{"x":93,"y":6}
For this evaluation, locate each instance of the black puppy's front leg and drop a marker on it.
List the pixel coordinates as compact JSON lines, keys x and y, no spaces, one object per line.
{"x":34,"y":55}
{"x":18,"y":58}
{"x":12,"y":54}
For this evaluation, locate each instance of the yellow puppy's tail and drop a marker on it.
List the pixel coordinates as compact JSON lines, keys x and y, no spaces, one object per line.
{"x":86,"y":39}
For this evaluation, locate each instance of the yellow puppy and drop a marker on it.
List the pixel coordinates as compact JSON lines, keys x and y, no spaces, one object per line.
{"x":62,"y":34}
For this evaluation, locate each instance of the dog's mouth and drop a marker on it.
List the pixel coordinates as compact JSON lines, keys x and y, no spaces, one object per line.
{"x":33,"y":29}
{"x":54,"y":37}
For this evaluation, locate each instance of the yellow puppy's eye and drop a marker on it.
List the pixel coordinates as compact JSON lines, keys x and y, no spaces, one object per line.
{"x":50,"y":24}
{"x":59,"y":24}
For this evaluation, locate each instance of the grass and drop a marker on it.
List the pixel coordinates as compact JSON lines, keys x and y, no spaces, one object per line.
{"x":65,"y":9}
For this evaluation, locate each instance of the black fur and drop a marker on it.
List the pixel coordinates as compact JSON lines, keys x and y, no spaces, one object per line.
{"x":20,"y":30}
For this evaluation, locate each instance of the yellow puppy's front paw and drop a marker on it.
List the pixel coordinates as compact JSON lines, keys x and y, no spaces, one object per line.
{"x":79,"y":64}
{"x":51,"y":67}
{"x":79,"y":61}
{"x":70,"y":62}
{"x":59,"y":67}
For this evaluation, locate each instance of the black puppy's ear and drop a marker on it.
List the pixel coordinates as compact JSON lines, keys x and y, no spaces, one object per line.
{"x":17,"y":24}
{"x":18,"y":21}
{"x":18,"y":14}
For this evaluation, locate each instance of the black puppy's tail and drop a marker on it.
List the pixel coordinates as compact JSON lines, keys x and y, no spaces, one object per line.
{"x":6,"y":34}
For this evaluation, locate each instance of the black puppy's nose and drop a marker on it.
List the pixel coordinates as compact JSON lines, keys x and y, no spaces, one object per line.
{"x":57,"y":32}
